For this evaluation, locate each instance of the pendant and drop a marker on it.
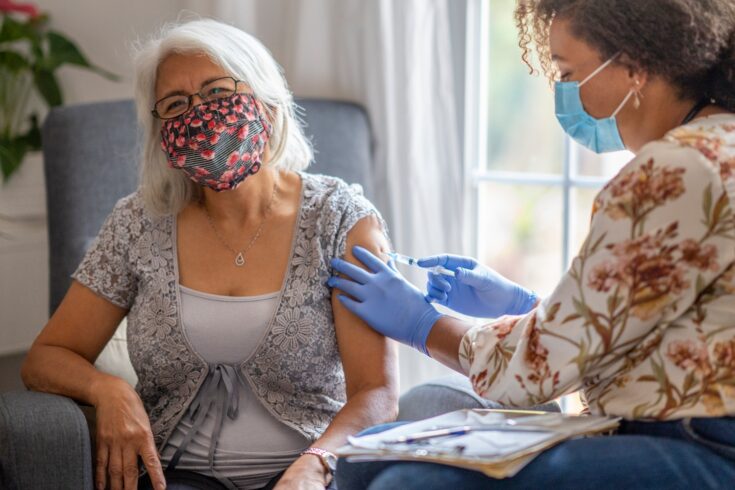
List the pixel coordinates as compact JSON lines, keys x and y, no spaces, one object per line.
{"x":239,"y":260}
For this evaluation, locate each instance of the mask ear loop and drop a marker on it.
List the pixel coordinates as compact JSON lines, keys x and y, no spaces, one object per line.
{"x":631,"y":92}
{"x":599,"y":69}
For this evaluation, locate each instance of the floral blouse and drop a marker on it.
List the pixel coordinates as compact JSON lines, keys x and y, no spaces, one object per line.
{"x":643,"y":322}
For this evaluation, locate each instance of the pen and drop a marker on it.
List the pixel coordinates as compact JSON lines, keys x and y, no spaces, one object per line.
{"x":465,"y":429}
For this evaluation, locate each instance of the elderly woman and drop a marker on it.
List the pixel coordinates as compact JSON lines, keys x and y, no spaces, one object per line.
{"x":249,"y":369}
{"x":643,"y":322}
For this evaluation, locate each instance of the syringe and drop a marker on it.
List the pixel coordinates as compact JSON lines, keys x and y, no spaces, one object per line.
{"x":413,"y":262}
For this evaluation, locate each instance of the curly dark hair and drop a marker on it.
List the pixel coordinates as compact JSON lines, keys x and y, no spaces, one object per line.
{"x":689,"y":43}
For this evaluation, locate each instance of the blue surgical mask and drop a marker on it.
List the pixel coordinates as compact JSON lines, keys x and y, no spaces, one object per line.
{"x":599,"y":135}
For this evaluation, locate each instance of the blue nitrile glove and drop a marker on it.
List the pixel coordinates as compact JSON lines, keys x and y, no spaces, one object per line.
{"x":475,"y":290}
{"x":385,"y":299}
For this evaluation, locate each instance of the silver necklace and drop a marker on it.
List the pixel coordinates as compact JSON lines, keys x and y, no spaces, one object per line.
{"x":240,"y":254}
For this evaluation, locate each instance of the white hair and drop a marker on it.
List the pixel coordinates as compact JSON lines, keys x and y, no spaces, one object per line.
{"x":165,"y":190}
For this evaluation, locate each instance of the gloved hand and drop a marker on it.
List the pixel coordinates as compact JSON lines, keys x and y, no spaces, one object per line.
{"x":385,"y":299}
{"x":475,"y":290}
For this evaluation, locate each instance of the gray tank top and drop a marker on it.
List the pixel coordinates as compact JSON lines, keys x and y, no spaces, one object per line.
{"x":252,"y":446}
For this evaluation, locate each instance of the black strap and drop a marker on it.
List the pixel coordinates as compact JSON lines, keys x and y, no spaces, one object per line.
{"x":701,"y":104}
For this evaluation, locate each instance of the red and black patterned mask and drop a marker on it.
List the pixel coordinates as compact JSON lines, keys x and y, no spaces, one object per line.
{"x":218,"y":143}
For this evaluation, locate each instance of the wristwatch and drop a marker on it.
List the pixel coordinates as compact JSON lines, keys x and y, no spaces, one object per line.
{"x":329,"y":460}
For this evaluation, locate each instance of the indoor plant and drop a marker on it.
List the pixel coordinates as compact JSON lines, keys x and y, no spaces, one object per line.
{"x":30,"y":54}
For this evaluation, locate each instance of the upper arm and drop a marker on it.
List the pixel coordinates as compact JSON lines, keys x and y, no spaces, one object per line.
{"x":369,"y":359}
{"x":102,"y":289}
{"x":83,"y":323}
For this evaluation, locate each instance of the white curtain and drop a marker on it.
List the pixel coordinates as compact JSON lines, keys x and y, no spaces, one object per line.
{"x":396,"y":59}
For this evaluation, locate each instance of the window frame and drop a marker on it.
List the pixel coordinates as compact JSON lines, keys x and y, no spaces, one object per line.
{"x":476,"y":169}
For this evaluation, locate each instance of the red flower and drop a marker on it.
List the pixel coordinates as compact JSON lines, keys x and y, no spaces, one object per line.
{"x":180,"y":160}
{"x":208,"y":155}
{"x":242,"y":133}
{"x":214,"y":139}
{"x":208,"y":116}
{"x":220,"y":127}
{"x":201,"y":172}
{"x":200,"y":137}
{"x":196,"y":123}
{"x":23,"y":8}
{"x":231,"y":118}
{"x":180,"y":141}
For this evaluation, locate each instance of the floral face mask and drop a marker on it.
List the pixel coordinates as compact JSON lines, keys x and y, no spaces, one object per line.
{"x":218,"y":143}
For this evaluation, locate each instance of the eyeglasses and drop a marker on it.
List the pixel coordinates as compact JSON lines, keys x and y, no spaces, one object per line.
{"x":175,"y":105}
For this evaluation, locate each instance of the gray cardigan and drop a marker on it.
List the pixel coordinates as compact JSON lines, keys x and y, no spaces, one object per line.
{"x":296,"y":371}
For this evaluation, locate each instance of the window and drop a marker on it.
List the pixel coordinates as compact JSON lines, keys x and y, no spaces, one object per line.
{"x":529,"y":187}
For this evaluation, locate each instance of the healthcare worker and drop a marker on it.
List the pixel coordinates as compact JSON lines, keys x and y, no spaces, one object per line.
{"x":643,"y":322}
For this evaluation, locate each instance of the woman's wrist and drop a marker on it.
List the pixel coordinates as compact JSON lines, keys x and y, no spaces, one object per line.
{"x":444,"y":340}
{"x":103,"y":385}
{"x":309,"y":465}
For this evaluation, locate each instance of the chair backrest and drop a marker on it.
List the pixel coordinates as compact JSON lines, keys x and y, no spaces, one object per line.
{"x":91,"y":154}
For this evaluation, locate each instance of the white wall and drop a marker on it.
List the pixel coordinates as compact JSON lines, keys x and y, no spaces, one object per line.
{"x":104,"y":30}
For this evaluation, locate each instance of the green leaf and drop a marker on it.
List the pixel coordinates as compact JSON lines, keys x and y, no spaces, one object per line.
{"x":707,"y":202}
{"x":689,"y":381}
{"x":720,"y":206}
{"x":12,"y":152}
{"x":12,"y":30}
{"x":48,"y":86}
{"x":13,"y":61}
{"x":580,"y":308}
{"x":63,"y":51}
{"x":612,"y":303}
{"x":659,"y":373}
{"x":33,"y":136}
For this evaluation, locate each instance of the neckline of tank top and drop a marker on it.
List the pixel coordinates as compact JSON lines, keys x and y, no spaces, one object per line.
{"x":219,"y":297}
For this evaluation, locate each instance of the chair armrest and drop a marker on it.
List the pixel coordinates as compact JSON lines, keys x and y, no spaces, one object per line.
{"x":44,"y":442}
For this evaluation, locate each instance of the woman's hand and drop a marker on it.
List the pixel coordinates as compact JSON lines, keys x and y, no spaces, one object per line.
{"x":384,"y":299}
{"x":123,"y":434}
{"x":475,"y":290}
{"x":306,"y":473}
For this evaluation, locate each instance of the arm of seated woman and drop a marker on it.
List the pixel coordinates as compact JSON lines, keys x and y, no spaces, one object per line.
{"x":370,"y":364}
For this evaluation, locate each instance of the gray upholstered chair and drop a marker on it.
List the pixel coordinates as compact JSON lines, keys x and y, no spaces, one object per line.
{"x":90,"y":154}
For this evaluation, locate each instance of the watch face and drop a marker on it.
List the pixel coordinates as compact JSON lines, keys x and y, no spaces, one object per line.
{"x":331,"y":461}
